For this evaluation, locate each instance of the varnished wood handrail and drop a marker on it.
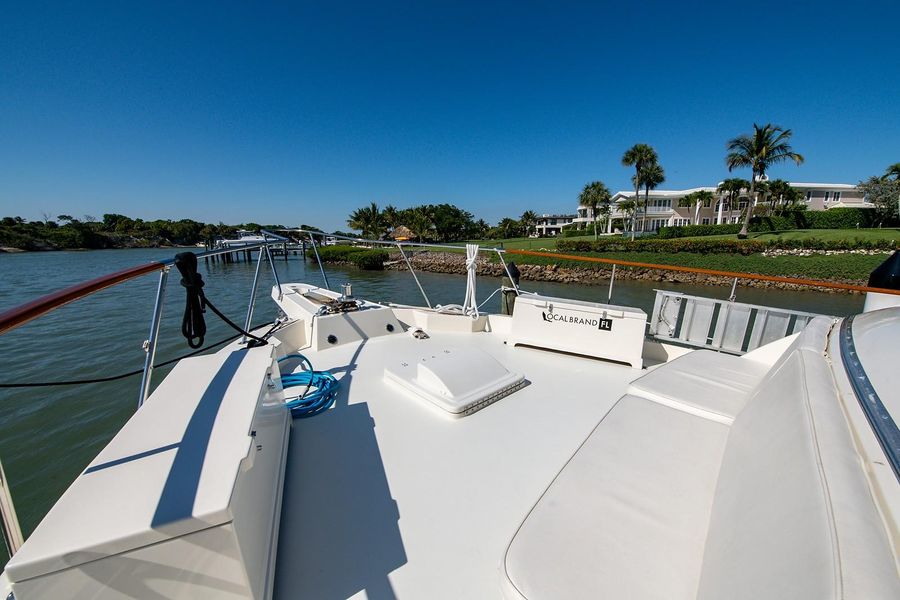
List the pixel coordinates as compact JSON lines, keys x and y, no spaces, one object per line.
{"x":24,"y":313}
{"x":730,"y":274}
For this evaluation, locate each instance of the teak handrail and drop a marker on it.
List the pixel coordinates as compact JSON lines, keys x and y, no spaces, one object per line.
{"x":731,"y":274}
{"x":29,"y":311}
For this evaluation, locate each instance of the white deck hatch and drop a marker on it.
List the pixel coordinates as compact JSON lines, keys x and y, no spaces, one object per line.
{"x":458,"y":382}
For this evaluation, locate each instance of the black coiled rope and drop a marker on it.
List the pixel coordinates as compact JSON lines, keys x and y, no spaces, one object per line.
{"x":193,"y":325}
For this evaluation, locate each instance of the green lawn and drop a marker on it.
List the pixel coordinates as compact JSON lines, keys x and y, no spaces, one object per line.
{"x":819,"y":266}
{"x":888,"y":233}
{"x":547,"y":243}
{"x":843,"y":266}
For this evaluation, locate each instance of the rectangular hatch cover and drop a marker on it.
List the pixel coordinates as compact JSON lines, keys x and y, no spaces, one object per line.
{"x":456,"y":381}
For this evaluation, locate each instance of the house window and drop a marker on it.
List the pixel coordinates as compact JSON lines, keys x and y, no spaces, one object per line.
{"x":827,"y":196}
{"x":705,"y":220}
{"x":707,"y":203}
{"x":808,"y":196}
{"x":837,"y":196}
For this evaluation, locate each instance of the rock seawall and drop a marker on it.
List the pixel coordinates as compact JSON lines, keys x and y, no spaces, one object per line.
{"x":454,"y":263}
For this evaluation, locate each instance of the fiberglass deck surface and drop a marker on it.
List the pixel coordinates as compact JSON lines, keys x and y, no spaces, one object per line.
{"x":386,"y":498}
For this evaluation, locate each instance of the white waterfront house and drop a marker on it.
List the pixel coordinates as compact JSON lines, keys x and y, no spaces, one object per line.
{"x":663,"y":208}
{"x":551,"y":225}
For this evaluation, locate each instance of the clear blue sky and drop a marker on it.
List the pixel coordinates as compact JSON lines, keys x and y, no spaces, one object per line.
{"x":275,"y":113}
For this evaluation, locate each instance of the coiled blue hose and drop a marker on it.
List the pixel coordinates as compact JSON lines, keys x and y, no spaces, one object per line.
{"x":321,"y":389}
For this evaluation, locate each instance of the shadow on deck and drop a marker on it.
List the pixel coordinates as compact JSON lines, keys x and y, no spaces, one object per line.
{"x":339,"y":530}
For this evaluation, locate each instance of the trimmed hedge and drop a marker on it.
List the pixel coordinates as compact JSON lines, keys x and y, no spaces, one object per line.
{"x":744,"y":247}
{"x":370,"y":260}
{"x":834,"y":218}
{"x":335,"y":253}
{"x":364,"y":258}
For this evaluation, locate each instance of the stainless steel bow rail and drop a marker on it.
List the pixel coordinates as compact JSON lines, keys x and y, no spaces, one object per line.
{"x":399,"y":245}
{"x":20,"y":315}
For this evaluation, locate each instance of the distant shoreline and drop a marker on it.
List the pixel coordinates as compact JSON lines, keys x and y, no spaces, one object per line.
{"x":12,"y":250}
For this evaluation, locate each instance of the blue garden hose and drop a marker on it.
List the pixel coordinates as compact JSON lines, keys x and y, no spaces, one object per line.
{"x":321,"y":389}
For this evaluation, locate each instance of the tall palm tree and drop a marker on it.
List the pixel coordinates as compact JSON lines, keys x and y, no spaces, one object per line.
{"x":731,"y":189}
{"x":528,"y":220}
{"x":766,"y":146}
{"x":593,"y":195}
{"x":369,"y":220}
{"x":639,"y":156}
{"x":652,"y":176}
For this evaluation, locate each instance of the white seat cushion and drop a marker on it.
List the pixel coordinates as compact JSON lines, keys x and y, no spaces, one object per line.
{"x":706,"y":383}
{"x":627,"y":516}
{"x":793,"y":517}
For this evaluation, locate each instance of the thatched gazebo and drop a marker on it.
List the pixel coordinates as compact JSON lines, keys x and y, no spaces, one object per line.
{"x":401,"y":234}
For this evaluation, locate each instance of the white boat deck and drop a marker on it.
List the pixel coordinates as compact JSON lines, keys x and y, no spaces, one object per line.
{"x":385,"y":497}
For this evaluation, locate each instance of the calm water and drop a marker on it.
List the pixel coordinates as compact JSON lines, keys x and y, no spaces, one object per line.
{"x":48,"y":435}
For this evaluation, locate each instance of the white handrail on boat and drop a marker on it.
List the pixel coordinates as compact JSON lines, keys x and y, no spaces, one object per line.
{"x":12,"y":532}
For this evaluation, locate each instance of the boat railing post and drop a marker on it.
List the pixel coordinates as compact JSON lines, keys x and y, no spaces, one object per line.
{"x":506,"y":268}
{"x":733,"y":294}
{"x":151,"y":342}
{"x":252,"y":303}
{"x":413,"y":271}
{"x":612,"y":281}
{"x":274,"y":270}
{"x":312,"y":242}
{"x":12,"y":532}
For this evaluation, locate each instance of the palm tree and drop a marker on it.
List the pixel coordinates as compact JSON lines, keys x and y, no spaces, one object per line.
{"x":369,"y":220}
{"x":528,"y":220}
{"x":892,"y":172}
{"x":652,"y":176}
{"x":782,"y":196}
{"x":639,"y":156}
{"x":695,"y":200}
{"x":627,"y":207}
{"x":509,"y":228}
{"x":391,"y":216}
{"x":731,"y":190}
{"x":605,"y":212}
{"x":593,"y":195}
{"x":419,"y":222}
{"x":766,"y":146}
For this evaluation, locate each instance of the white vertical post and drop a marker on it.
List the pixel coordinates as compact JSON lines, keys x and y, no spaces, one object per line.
{"x":12,"y":533}
{"x":612,"y":280}
{"x":150,"y":344}
{"x":253,"y":294}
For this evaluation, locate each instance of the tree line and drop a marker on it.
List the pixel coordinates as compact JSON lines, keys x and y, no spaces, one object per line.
{"x":111,"y":231}
{"x":435,"y":223}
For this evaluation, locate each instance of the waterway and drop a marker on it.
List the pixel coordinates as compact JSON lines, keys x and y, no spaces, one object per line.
{"x":48,"y":435}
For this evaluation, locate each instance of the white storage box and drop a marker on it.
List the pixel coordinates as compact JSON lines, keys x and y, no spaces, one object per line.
{"x":183,"y":503}
{"x":604,"y":331}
